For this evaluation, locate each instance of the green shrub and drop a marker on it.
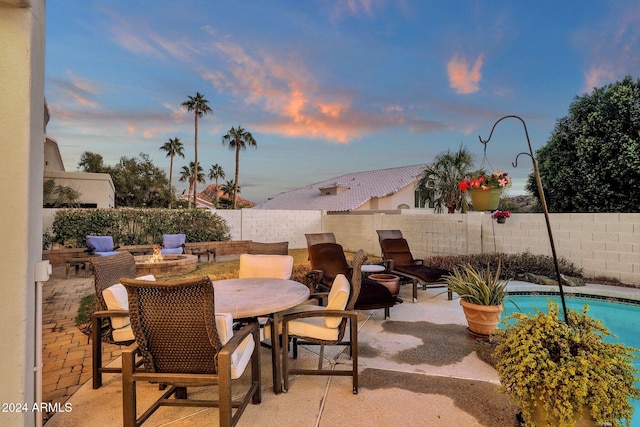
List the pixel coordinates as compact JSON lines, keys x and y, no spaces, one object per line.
{"x":130,"y":226}
{"x":513,"y":265}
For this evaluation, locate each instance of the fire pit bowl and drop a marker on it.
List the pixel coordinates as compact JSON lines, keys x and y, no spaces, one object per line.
{"x":165,"y":264}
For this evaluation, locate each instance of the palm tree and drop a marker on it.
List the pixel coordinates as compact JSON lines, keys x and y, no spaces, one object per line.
{"x":238,"y":139}
{"x":187,"y":174}
{"x":438,"y":183}
{"x":214,"y":173}
{"x":173,"y":148}
{"x":200,"y":106}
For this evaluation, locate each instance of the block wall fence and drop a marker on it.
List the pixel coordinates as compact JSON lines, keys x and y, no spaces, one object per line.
{"x":603,"y":245}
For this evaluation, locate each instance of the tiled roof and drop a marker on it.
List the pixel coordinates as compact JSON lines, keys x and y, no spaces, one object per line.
{"x":358,"y":187}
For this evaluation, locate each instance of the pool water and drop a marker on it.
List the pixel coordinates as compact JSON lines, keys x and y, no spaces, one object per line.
{"x":621,"y":320}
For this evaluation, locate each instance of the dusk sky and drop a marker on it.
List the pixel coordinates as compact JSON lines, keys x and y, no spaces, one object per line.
{"x":326,"y":87}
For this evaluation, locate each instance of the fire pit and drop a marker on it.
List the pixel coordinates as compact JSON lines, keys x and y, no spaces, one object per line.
{"x":157,"y":264}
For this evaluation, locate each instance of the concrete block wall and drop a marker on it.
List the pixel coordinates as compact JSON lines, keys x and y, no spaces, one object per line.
{"x":271,"y":226}
{"x":603,"y":245}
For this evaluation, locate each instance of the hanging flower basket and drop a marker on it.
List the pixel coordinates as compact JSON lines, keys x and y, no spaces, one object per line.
{"x":501,"y":216}
{"x":485,"y":189}
{"x":485,"y":200}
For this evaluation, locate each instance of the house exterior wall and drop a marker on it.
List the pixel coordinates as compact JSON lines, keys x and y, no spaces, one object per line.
{"x":392,"y":201}
{"x":52,"y":158}
{"x":95,"y":188}
{"x":22,"y":32}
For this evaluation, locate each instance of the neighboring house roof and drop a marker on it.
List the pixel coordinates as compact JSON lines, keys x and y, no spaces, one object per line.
{"x":347,"y":192}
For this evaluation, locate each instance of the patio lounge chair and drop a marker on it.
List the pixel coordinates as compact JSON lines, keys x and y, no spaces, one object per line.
{"x":193,"y":347}
{"x":101,"y":245}
{"x":110,"y":323}
{"x":399,"y":260}
{"x":328,"y":260}
{"x":173,"y":244}
{"x":327,"y":326}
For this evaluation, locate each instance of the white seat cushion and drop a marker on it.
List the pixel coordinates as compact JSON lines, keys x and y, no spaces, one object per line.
{"x":338,"y":298}
{"x":123,"y":334}
{"x":115,"y":297}
{"x":265,"y":266}
{"x":241,"y":357}
{"x":325,"y":328}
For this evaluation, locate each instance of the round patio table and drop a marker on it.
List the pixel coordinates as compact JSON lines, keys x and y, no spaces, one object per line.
{"x":245,"y":298}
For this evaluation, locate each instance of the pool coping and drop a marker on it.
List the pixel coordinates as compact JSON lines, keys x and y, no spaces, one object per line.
{"x":593,"y":291}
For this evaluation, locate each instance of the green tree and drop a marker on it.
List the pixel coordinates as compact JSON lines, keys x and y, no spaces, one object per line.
{"x":200,"y":107}
{"x":238,"y":139}
{"x":173,"y":148}
{"x":438,"y":184}
{"x":591,"y":162}
{"x":216,"y":172}
{"x":139,"y":183}
{"x":91,"y":162}
{"x":57,"y":196}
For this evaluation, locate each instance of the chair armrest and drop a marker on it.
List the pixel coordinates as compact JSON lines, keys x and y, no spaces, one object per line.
{"x":110,"y":313}
{"x":239,"y":336}
{"x":90,"y":251}
{"x":418,"y":261}
{"x":320,"y":313}
{"x":388,"y":264}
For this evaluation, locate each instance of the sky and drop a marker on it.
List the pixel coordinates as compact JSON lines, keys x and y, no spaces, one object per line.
{"x":326,"y":87}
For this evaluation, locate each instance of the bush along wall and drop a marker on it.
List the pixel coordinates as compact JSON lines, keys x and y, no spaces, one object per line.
{"x":129,"y":226}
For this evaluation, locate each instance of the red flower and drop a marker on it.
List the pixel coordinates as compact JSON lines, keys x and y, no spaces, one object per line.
{"x":464,"y":185}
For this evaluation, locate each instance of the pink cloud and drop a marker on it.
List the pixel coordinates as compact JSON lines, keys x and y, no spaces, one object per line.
{"x":462,"y":78}
{"x":597,"y":76}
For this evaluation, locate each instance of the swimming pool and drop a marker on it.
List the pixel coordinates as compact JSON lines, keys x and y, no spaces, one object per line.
{"x":620,"y":318}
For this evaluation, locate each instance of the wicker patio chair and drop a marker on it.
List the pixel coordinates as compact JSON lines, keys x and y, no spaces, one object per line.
{"x":109,"y":325}
{"x":327,"y":326}
{"x":191,"y":347}
{"x":398,"y":260}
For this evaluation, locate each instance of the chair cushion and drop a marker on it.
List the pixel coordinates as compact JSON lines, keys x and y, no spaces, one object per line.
{"x":337,"y":300}
{"x":373,"y":295}
{"x":123,"y":334}
{"x":265,"y":266}
{"x":313,"y":327}
{"x":107,"y":253}
{"x":100,"y":243}
{"x":241,"y":357}
{"x":422,"y":272}
{"x":398,"y":251}
{"x":173,"y":240}
{"x":171,"y":251}
{"x":329,"y":257}
{"x":115,"y":297}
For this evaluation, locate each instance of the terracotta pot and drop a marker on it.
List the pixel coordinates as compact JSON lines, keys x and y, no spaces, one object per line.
{"x":485,"y":200}
{"x":392,"y":282}
{"x":482,"y":319}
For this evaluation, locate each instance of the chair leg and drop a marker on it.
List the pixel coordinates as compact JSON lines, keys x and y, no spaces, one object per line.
{"x":321,"y":357}
{"x":129,"y":410}
{"x":415,"y":290}
{"x":96,"y":349}
{"x":354,"y":352}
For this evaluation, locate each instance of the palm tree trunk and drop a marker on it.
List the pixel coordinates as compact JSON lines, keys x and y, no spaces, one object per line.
{"x":235,"y":184}
{"x":171,"y":181}
{"x":195,"y":171}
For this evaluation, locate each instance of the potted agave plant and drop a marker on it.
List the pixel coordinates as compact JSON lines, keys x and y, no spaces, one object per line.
{"x":485,"y":189}
{"x":481,"y":294}
{"x":565,"y":373}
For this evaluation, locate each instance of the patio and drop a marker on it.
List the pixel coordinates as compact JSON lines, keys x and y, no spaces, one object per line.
{"x":419,"y":366}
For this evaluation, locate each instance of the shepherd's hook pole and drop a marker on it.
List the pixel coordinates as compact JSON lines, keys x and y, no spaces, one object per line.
{"x":543,"y":201}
